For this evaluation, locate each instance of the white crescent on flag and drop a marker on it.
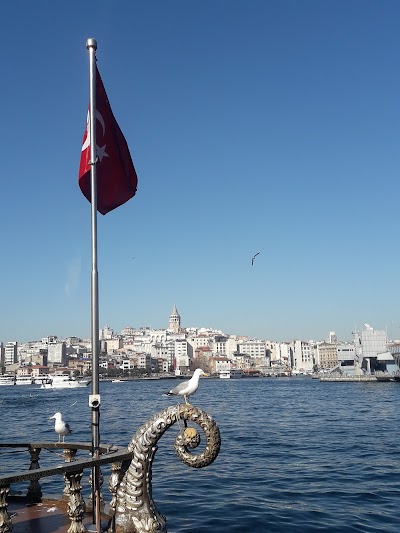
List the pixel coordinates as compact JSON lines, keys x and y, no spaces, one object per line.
{"x":100,"y":150}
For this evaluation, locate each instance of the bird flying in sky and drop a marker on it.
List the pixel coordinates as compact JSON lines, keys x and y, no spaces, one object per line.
{"x":60,"y":427}
{"x":187,"y":388}
{"x":254,"y":256}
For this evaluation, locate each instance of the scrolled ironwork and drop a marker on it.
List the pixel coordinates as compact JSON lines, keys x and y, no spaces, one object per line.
{"x":135,"y":509}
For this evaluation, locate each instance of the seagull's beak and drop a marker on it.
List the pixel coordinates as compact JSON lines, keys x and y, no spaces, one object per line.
{"x":50,"y":417}
{"x":207,"y":375}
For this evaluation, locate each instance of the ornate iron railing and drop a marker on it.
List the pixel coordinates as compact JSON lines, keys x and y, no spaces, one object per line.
{"x":132,"y":509}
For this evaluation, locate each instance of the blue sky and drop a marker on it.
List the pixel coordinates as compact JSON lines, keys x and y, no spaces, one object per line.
{"x":255,"y":126}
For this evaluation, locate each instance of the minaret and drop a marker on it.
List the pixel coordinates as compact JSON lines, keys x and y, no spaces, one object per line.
{"x":174,"y":320}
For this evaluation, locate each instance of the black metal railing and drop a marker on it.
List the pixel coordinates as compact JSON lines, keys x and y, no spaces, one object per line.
{"x":71,"y":469}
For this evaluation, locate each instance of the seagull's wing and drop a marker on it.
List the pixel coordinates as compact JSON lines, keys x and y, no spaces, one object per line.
{"x":68,"y":428}
{"x":179,"y":388}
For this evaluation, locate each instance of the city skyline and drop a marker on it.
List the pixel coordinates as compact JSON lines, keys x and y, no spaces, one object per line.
{"x":263,"y":127}
{"x":187,"y":328}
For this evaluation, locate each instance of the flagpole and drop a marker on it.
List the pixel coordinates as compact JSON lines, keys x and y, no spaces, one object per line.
{"x":94,"y":400}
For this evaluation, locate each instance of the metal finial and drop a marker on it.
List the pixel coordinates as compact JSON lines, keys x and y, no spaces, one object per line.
{"x":91,"y":43}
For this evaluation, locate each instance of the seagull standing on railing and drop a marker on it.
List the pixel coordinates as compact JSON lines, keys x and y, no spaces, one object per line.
{"x":187,"y":388}
{"x":61,"y":427}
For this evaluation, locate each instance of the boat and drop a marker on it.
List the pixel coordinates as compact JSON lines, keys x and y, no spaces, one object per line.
{"x":7,"y":380}
{"x":23,"y":380}
{"x":64,"y":382}
{"x":233,"y":373}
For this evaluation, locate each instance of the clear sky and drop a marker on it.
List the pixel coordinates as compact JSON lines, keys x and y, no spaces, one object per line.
{"x":255,"y":126}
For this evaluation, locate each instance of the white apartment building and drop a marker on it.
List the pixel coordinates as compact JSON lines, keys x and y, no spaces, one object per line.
{"x":231,"y":345}
{"x":57,"y":353}
{"x":128,"y":364}
{"x":106,"y":333}
{"x":255,"y":349}
{"x":302,"y":356}
{"x":160,"y":351}
{"x":181,"y":354}
{"x":197,"y":341}
{"x":219,"y":344}
{"x":10,"y":353}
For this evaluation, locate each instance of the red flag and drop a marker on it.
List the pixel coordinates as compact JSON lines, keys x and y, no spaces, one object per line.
{"x":116,"y":175}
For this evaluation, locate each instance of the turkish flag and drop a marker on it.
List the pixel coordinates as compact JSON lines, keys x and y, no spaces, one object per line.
{"x":115,"y":173}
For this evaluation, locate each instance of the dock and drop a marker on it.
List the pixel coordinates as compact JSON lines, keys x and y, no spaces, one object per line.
{"x":348,"y":378}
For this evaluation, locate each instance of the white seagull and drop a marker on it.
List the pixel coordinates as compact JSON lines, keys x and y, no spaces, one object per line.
{"x":60,"y":427}
{"x":187,"y":388}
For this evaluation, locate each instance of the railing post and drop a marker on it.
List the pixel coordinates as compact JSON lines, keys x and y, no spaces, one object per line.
{"x":5,"y":521}
{"x":34,"y":490}
{"x":113,"y":483}
{"x":76,"y":504}
{"x":69,"y":457}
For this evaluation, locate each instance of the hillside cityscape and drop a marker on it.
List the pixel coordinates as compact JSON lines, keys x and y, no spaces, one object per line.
{"x":179,"y":350}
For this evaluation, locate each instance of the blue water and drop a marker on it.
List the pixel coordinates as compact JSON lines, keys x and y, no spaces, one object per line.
{"x":297,"y":455}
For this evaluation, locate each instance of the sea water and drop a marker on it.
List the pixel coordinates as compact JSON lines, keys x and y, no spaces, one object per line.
{"x":297,"y":455}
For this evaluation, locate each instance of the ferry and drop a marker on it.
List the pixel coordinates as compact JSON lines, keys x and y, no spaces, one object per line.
{"x":233,"y":373}
{"x":64,"y":382}
{"x":7,"y":380}
{"x":24,"y":380}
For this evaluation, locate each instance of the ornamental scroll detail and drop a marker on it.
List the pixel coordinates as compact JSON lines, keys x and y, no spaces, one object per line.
{"x":135,"y":510}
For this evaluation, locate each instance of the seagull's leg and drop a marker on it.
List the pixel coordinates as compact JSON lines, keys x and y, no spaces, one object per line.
{"x":59,"y":438}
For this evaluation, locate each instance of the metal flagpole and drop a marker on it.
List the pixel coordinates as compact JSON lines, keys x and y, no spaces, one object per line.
{"x":94,"y":399}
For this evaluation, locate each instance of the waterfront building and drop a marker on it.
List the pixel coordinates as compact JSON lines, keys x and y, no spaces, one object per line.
{"x":242,"y":361}
{"x":326,"y":355}
{"x":302,"y":356}
{"x":174,"y":321}
{"x":257,"y":351}
{"x":128,"y":364}
{"x":218,"y":363}
{"x":144,"y":361}
{"x":345,"y":356}
{"x":369,"y":344}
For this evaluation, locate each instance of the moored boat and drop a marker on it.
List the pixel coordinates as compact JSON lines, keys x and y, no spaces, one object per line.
{"x":23,"y":380}
{"x":233,"y":373}
{"x":64,"y":382}
{"x":7,"y":380}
